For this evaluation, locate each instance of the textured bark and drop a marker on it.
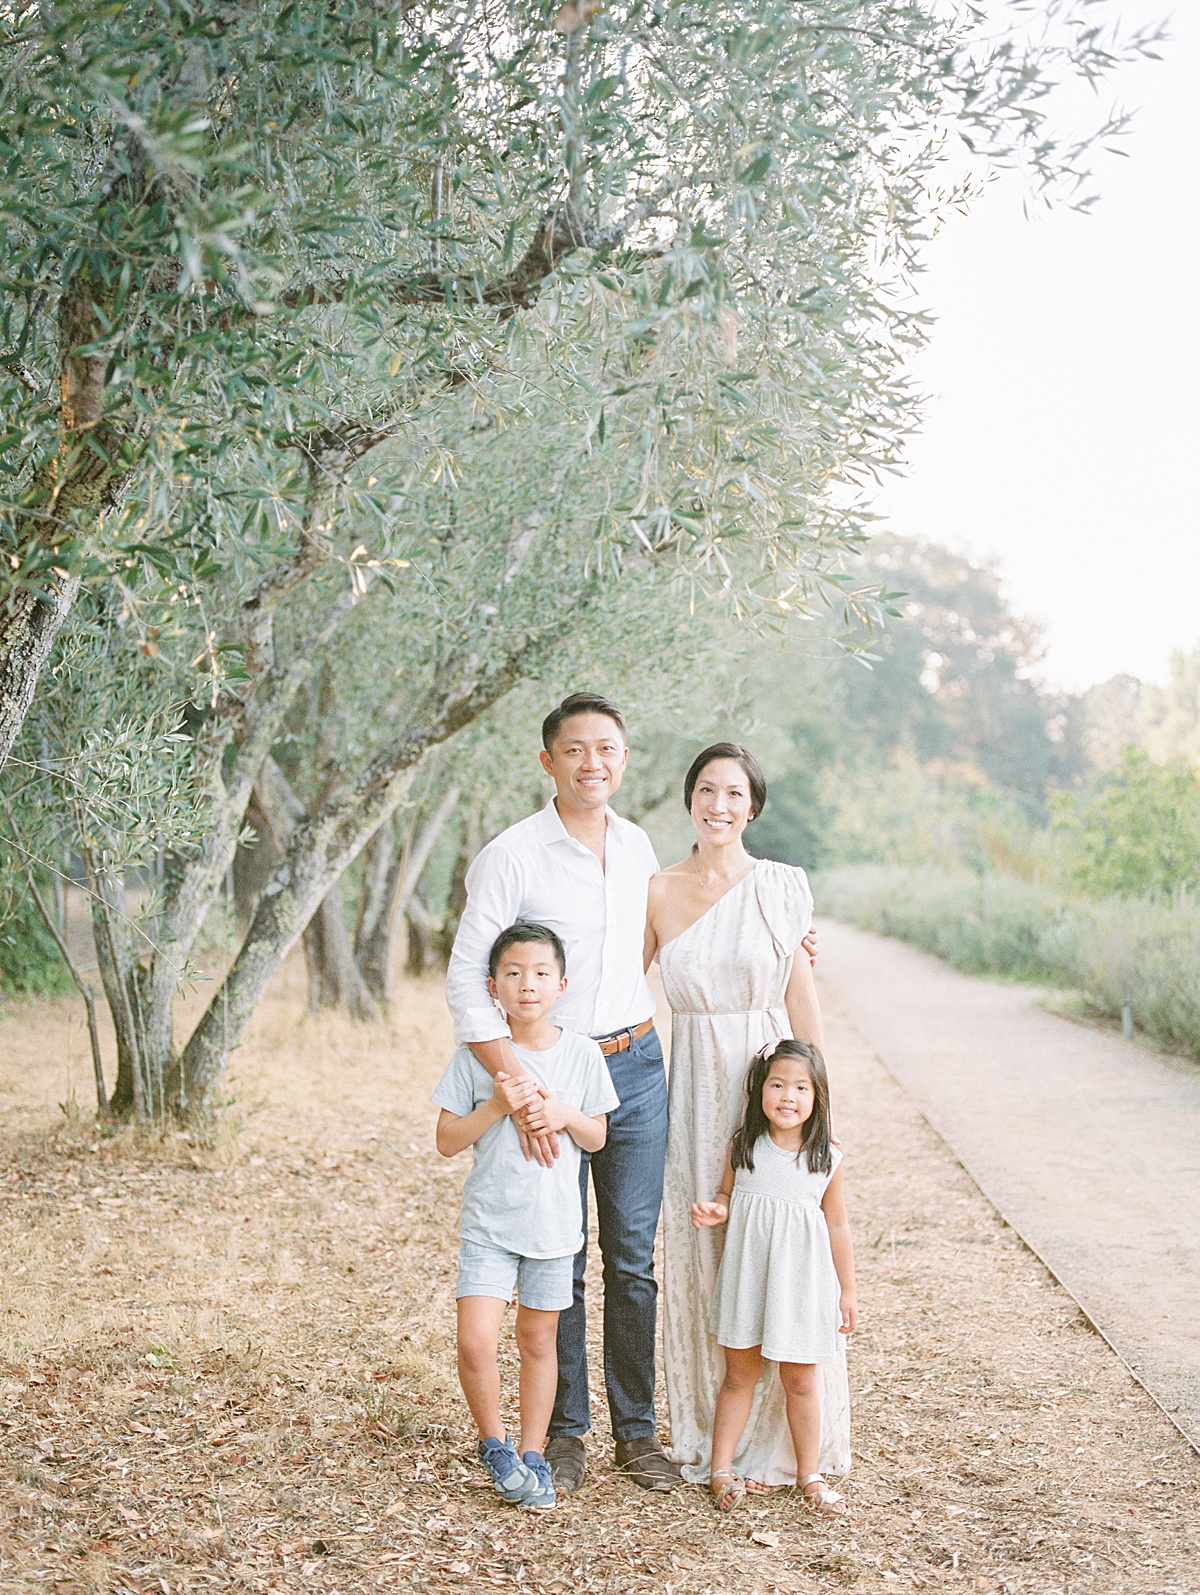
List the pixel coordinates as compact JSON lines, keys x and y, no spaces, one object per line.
{"x":28,"y":628}
{"x":334,"y":978}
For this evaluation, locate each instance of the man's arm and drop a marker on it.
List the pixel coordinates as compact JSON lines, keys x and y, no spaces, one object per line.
{"x":494,"y":892}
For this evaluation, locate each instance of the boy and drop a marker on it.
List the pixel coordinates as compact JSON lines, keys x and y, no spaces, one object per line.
{"x":521,"y":1221}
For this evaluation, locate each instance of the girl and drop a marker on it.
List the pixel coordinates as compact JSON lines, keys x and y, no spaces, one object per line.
{"x":785,"y":1288}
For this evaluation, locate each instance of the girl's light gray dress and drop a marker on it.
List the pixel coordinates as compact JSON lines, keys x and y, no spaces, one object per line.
{"x":777,"y":1287}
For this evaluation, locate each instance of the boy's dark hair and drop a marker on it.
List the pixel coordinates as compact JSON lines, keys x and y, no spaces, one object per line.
{"x":525,"y":930}
{"x":755,"y":1123}
{"x":580,"y":703}
{"x":755,"y":778}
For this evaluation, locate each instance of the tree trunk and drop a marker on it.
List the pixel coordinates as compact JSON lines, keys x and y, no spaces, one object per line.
{"x":320,"y":850}
{"x":119,"y":976}
{"x":28,"y":628}
{"x":334,"y":978}
{"x":473,"y":839}
{"x":424,"y":937}
{"x":395,"y":866}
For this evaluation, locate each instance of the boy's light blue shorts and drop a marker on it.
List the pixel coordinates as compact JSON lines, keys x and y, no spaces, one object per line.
{"x":544,"y":1284}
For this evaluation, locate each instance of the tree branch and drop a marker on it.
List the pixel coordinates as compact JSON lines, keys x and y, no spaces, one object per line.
{"x":85,"y":991}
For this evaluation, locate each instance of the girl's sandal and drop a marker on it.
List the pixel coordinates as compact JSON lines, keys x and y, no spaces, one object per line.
{"x":818,"y":1496}
{"x":727,"y":1489}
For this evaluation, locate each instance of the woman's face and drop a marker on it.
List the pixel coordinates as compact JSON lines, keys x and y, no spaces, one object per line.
{"x":721,"y":807}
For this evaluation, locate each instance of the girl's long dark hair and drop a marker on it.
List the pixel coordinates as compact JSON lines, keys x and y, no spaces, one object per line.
{"x":755,"y":1123}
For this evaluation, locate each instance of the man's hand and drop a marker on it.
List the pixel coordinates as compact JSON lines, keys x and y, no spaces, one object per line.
{"x":810,"y":945}
{"x":707,"y":1214}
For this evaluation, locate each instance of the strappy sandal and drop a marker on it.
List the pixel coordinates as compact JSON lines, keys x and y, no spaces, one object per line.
{"x":822,"y":1499}
{"x":729,"y":1491}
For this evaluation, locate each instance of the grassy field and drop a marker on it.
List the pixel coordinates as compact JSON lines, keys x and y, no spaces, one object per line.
{"x":231,"y":1367}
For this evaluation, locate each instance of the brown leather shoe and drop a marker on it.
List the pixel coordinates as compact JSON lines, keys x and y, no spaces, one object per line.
{"x":568,"y":1461}
{"x":647,"y":1464}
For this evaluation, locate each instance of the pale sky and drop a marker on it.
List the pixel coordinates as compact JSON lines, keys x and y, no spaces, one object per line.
{"x":1062,"y":428}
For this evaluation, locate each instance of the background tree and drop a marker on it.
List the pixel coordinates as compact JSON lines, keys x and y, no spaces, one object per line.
{"x":1137,"y":834}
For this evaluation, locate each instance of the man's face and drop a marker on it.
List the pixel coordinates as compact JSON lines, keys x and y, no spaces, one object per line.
{"x":587,"y":760}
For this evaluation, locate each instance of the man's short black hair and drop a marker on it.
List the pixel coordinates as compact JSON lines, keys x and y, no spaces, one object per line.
{"x":580,"y":703}
{"x":525,"y":930}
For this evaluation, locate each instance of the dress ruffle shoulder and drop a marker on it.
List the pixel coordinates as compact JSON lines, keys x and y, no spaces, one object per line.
{"x":785,"y":901}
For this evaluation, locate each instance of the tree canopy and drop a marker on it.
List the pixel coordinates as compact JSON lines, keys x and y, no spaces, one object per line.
{"x":358,"y":362}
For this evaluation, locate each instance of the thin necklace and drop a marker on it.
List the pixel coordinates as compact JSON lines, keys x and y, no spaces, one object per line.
{"x":717,"y":878}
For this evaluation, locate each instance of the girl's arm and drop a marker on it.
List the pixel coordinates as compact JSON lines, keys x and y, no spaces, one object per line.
{"x":800,"y":1000}
{"x":833,"y":1205}
{"x":707,"y":1214}
{"x":456,"y":1132}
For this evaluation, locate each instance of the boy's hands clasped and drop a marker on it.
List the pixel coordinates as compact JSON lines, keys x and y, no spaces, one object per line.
{"x":536,"y":1113}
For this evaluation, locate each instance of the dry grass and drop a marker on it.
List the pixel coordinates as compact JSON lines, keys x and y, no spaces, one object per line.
{"x":232,"y":1367}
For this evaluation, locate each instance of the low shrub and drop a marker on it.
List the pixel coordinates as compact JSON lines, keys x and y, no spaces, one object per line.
{"x":1116,"y":951}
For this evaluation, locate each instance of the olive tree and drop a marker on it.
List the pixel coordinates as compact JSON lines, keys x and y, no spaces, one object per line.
{"x":300,"y":307}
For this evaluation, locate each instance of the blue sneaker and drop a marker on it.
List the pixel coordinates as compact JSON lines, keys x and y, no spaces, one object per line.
{"x":543,"y":1497}
{"x":511,"y":1479}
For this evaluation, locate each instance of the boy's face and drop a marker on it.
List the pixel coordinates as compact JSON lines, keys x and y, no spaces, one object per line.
{"x":528,"y":981}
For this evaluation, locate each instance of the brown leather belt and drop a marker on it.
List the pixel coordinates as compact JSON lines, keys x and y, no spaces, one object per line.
{"x":624,"y":1038}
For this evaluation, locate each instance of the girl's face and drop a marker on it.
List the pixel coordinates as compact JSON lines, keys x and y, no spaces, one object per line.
{"x":721,"y":801}
{"x":788,"y":1097}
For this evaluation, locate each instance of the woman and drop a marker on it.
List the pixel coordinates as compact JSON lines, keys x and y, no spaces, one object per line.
{"x":725,"y":928}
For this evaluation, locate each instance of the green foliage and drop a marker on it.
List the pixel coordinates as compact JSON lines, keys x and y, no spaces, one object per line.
{"x":29,"y":961}
{"x":1144,"y":954}
{"x":1137,"y":834}
{"x":1172,"y":713}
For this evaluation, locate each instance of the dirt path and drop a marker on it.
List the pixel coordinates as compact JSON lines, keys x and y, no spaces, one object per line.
{"x":1088,"y":1144}
{"x":231,"y":1368}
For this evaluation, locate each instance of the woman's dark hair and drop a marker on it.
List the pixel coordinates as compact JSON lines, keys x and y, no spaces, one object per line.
{"x":729,"y":750}
{"x":755,"y":1123}
{"x":580,"y":703}
{"x":525,"y":930}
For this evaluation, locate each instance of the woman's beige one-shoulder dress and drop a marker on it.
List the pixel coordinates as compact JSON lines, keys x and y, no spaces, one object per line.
{"x":725,"y":978}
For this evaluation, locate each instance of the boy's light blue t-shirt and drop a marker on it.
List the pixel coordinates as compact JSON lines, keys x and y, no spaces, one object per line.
{"x":510,"y":1200}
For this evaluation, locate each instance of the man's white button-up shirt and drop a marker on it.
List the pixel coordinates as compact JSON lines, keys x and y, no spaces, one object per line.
{"x":536,"y":871}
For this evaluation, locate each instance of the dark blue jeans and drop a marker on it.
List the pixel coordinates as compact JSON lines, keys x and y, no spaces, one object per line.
{"x":628,"y":1177}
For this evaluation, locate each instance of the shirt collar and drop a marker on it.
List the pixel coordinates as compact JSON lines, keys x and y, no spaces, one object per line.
{"x":552,"y":829}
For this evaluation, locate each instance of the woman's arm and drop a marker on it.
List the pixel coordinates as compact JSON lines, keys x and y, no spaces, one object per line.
{"x":800,"y":1000}
{"x":833,"y":1205}
{"x":653,"y":898}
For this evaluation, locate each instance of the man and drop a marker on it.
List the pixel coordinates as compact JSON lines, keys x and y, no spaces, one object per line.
{"x":583,"y":871}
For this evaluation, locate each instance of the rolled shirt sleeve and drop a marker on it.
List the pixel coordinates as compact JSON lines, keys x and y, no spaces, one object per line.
{"x":494,"y":893}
